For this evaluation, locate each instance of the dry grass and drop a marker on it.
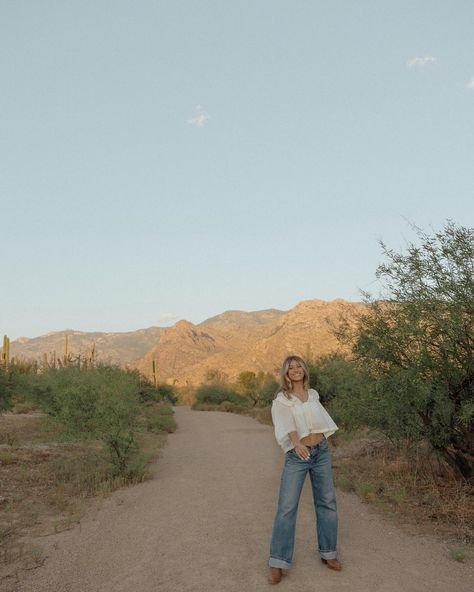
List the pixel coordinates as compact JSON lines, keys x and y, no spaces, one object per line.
{"x":186,"y":395}
{"x":48,"y":481}
{"x":410,"y":483}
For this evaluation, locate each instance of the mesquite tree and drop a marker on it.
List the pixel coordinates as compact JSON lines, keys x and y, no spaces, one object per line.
{"x":416,"y":344}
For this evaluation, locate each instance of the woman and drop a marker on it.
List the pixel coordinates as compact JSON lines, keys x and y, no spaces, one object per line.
{"x":302,"y":426}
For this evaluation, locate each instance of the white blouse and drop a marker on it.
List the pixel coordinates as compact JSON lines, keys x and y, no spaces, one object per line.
{"x":292,"y":415}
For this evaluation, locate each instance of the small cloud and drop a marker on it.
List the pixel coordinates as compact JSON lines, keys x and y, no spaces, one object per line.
{"x":201,"y":117}
{"x":168,"y":317}
{"x":419,"y":62}
{"x":470,"y":84}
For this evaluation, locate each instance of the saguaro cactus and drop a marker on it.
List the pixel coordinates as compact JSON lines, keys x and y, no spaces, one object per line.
{"x":153,"y":372}
{"x":65,"y":356}
{"x":6,"y":350}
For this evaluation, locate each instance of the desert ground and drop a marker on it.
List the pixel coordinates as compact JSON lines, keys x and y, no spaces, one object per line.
{"x":203,"y":523}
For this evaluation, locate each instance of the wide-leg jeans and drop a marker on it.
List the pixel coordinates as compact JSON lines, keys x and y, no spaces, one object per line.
{"x":324,"y":496}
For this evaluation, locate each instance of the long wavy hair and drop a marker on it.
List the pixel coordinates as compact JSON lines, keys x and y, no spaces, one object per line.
{"x":285,"y":385}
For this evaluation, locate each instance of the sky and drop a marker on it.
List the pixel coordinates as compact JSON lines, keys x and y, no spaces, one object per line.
{"x":166,"y":160}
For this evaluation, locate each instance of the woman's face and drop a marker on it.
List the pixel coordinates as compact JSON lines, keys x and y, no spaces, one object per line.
{"x":295,"y":371}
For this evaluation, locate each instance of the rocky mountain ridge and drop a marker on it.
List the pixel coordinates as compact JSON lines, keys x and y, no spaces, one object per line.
{"x":185,"y":352}
{"x":116,"y":348}
{"x":232,"y":342}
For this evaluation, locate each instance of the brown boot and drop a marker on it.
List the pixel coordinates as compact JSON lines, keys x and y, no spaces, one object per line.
{"x":332,"y":564}
{"x":274,"y":577}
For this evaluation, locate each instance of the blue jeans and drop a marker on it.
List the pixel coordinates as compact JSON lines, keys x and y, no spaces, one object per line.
{"x":324,"y":497}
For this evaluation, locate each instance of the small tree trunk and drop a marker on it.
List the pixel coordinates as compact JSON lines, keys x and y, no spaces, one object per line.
{"x":462,"y":462}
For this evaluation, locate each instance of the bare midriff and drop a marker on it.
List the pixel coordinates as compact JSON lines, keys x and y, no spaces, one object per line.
{"x":311,"y":439}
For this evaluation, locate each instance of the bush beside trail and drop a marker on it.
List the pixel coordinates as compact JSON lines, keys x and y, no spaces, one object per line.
{"x":414,"y":349}
{"x":100,"y":428}
{"x":103,"y":403}
{"x":214,"y":394}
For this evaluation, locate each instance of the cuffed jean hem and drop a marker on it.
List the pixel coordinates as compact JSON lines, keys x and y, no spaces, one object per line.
{"x":275,"y":562}
{"x":328,"y":554}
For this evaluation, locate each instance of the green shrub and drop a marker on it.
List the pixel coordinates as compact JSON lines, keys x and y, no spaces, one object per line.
{"x":5,"y":388}
{"x":416,"y":345}
{"x":161,"y":392}
{"x":158,"y":418}
{"x":268,"y":391}
{"x":259,"y":388}
{"x":217,"y":393}
{"x":196,"y":406}
{"x":229,"y":406}
{"x":459,"y":553}
{"x":344,"y":389}
{"x":98,"y":403}
{"x":263,"y":415}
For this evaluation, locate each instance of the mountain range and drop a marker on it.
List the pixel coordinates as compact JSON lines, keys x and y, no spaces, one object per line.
{"x":231,"y":342}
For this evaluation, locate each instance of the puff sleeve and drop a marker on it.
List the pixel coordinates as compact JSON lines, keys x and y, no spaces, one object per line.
{"x":283,"y":422}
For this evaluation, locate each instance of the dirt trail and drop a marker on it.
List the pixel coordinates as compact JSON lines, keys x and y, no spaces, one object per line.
{"x":204,"y":524}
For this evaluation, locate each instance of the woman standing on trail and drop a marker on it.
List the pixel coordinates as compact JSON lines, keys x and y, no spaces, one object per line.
{"x":302,"y":426}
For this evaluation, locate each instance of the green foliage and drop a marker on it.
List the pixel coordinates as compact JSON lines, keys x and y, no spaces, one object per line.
{"x":416,"y":345}
{"x":100,"y":403}
{"x":161,"y":392}
{"x":333,"y":374}
{"x":5,"y":388}
{"x":267,"y":391}
{"x":343,"y":387}
{"x":158,"y":417}
{"x":259,"y":388}
{"x":11,"y":379}
{"x":459,"y":553}
{"x":197,"y":406}
{"x":248,"y":385}
{"x":215,"y":394}
{"x":167,"y":392}
{"x":229,"y":406}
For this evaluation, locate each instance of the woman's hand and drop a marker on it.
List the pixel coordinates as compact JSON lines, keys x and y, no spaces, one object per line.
{"x":302,"y":451}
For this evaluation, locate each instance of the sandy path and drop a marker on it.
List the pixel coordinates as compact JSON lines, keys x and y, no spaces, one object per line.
{"x":204,"y":524}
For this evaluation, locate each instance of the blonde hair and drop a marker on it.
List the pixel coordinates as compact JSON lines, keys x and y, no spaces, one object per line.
{"x":285,"y":385}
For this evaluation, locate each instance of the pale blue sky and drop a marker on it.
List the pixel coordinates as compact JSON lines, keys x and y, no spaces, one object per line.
{"x":167,"y":160}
